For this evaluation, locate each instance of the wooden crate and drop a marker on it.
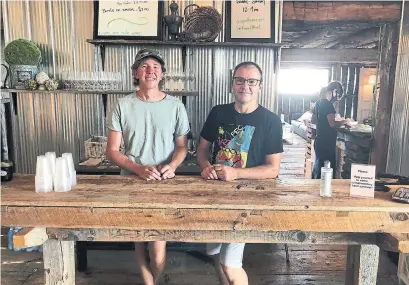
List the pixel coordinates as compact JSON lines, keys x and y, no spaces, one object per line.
{"x":309,"y":164}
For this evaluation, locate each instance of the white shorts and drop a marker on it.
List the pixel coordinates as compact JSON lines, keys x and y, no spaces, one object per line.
{"x":231,"y":254}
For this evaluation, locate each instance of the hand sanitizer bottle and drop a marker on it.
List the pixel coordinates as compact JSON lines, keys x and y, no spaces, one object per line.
{"x":326,"y":180}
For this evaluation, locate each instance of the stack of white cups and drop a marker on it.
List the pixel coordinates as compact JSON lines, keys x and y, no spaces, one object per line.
{"x":55,"y":173}
{"x":62,"y":178}
{"x":71,"y":168}
{"x":43,"y":178}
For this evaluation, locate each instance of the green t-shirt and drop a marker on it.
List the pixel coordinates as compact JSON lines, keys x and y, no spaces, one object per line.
{"x":149,"y":129}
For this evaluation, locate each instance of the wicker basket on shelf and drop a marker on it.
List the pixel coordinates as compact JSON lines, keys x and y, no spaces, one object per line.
{"x":95,"y":147}
{"x":203,"y":23}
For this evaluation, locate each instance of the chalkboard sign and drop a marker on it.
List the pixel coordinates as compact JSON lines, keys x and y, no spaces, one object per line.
{"x":128,"y":19}
{"x":250,"y":21}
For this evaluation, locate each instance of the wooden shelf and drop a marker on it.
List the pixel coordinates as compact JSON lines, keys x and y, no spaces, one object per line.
{"x":163,"y":43}
{"x":173,"y":93}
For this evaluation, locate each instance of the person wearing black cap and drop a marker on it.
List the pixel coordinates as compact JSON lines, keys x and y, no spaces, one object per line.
{"x":324,"y":117}
{"x":153,"y":127}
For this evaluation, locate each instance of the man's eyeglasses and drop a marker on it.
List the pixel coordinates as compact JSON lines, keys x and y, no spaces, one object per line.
{"x":250,"y":81}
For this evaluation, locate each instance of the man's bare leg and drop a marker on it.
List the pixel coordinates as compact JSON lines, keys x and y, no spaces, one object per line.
{"x":235,"y":276}
{"x":142,"y":263}
{"x":157,"y":254}
{"x":219,"y":270}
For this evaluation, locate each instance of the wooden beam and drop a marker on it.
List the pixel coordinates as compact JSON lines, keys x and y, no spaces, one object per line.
{"x":394,"y":242}
{"x":387,"y":69}
{"x":310,"y":39}
{"x":28,"y":237}
{"x":317,"y":11}
{"x":364,"y":56}
{"x":360,"y":38}
{"x":290,"y":237}
{"x":59,"y":262}
{"x":362,"y":264}
{"x":206,"y":219}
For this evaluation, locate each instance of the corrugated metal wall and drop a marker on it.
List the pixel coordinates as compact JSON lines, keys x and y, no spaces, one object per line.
{"x":398,"y":152}
{"x":62,"y":122}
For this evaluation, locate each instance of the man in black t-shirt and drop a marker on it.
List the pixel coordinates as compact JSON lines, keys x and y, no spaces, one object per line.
{"x":247,"y":144}
{"x":326,"y":139}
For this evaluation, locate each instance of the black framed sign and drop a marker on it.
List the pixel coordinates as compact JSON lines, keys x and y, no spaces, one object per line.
{"x":250,"y":21}
{"x":128,"y":19}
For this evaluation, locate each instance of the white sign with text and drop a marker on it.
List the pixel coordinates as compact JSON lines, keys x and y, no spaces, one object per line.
{"x":362,"y":180}
{"x":128,"y":18}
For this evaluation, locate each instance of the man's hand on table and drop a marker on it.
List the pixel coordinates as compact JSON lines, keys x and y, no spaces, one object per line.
{"x":209,"y":173}
{"x":167,"y":171}
{"x":148,"y":172}
{"x":226,"y":173}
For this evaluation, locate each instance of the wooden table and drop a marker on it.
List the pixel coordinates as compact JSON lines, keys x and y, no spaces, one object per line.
{"x":189,"y":209}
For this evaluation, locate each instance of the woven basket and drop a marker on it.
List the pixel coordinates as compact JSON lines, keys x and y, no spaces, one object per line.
{"x":95,"y":147}
{"x":203,"y":24}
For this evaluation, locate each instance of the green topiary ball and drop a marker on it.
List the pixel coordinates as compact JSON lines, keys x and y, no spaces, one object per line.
{"x":22,"y":52}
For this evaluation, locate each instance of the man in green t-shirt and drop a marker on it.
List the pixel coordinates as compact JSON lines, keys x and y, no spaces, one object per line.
{"x":153,"y":127}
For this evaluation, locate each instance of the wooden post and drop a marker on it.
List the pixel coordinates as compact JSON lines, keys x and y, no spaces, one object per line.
{"x":349,"y":89}
{"x":362,"y":264}
{"x":344,"y":81}
{"x":356,"y":91}
{"x":59,"y":262}
{"x":387,"y":69}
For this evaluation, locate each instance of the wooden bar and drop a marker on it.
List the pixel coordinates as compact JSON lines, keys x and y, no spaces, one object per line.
{"x":206,"y":219}
{"x":192,"y":192}
{"x":190,"y":209}
{"x":289,"y":237}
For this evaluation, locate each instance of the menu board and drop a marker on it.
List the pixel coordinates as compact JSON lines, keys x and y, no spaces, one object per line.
{"x":250,"y":19}
{"x":127,"y":19}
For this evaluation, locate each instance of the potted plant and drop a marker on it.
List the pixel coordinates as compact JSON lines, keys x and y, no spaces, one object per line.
{"x":23,"y":57}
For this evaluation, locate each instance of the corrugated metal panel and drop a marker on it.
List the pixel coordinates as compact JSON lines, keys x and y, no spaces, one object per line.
{"x":398,"y":152}
{"x":89,"y":108}
{"x":62,"y":122}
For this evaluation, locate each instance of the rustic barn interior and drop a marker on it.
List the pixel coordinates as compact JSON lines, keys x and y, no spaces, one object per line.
{"x":362,"y":44}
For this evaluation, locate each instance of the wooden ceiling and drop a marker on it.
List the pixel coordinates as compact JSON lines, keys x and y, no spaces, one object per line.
{"x":336,"y":24}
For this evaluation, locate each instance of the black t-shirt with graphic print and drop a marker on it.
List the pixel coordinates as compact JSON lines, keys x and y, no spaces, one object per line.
{"x":242,"y":140}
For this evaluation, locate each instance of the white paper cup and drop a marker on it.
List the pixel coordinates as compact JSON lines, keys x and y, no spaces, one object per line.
{"x":71,"y":168}
{"x":62,"y":178}
{"x":51,"y":158}
{"x":43,"y":178}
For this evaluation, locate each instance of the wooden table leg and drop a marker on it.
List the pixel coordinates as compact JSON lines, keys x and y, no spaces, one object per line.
{"x":59,"y":262}
{"x":362,"y":264}
{"x":403,"y":268}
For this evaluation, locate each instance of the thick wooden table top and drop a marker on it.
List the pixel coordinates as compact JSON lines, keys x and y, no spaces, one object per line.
{"x":193,"y":203}
{"x":194,"y":192}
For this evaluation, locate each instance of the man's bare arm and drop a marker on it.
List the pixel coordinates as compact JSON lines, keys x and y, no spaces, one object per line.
{"x":268,"y":170}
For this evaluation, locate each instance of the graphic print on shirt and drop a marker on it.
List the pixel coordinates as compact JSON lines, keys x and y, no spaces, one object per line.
{"x":234,"y":144}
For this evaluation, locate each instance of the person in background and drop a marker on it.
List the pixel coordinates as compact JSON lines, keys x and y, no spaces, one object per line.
{"x":153,"y":127}
{"x":324,"y":118}
{"x":247,"y":143}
